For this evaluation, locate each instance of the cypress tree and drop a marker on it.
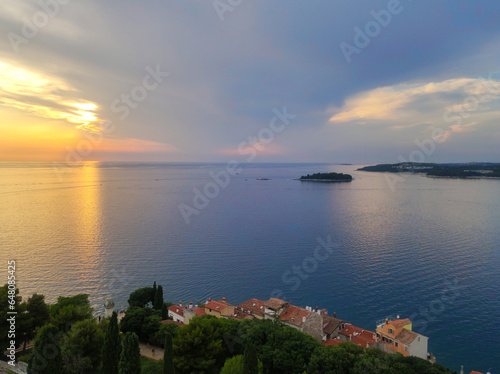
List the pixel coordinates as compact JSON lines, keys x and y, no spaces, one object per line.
{"x":130,"y":359}
{"x":112,"y":348}
{"x":153,"y":293}
{"x":46,"y":358}
{"x":168,"y":356}
{"x":164,"y":312}
{"x":250,"y":360}
{"x":158,"y":301}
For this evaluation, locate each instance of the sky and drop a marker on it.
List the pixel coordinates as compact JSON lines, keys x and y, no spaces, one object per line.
{"x":338,"y":81}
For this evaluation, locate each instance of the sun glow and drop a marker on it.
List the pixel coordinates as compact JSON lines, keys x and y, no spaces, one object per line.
{"x":43,"y":96}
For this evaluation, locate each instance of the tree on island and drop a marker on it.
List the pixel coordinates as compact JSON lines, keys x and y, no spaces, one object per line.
{"x":46,"y":357}
{"x":327,"y":177}
{"x":130,"y":359}
{"x":168,"y":356}
{"x":112,"y":347}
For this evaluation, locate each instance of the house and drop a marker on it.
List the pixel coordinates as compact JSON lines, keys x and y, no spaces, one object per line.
{"x":219,"y":308}
{"x":273,"y":307}
{"x":240,"y":314}
{"x":359,"y":336}
{"x":294,"y":316}
{"x":254,"y":307}
{"x":176,"y":312}
{"x":332,"y":326}
{"x":397,"y":336}
{"x":192,"y":312}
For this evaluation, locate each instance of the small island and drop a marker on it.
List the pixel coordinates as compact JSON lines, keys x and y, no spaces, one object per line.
{"x":326,"y":177}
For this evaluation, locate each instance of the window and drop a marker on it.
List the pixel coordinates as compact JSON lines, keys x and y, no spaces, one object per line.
{"x":396,"y":344}
{"x":406,"y":348}
{"x":391,"y":331}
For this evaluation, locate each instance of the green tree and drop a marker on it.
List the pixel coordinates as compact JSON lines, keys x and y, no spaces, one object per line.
{"x":151,"y":326}
{"x":141,"y":297}
{"x":164,"y":312}
{"x":168,"y":356}
{"x":112,"y":348}
{"x":282,"y":349}
{"x":38,"y":310}
{"x":235,"y":365}
{"x":85,"y":339}
{"x":158,"y":299}
{"x":133,"y":320}
{"x":154,"y":288}
{"x":46,"y":358}
{"x":69,"y":310}
{"x":250,"y":360}
{"x":198,"y":346}
{"x":171,"y":329}
{"x":130,"y":359}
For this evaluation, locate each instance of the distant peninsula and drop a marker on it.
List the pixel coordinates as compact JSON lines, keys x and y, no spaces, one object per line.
{"x":472,"y":170}
{"x":326,"y":177}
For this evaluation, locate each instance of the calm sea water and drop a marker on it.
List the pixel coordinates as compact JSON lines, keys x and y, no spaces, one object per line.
{"x":429,"y":249}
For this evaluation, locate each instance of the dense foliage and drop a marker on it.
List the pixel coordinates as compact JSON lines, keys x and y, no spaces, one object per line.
{"x":47,"y":357}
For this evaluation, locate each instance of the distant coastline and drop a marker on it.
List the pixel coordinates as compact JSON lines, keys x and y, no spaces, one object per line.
{"x":473,"y":170}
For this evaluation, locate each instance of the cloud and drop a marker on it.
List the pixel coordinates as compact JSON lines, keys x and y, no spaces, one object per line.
{"x":401,"y":101}
{"x":44,"y":96}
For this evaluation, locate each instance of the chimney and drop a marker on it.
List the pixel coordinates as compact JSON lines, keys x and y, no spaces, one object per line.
{"x":303,"y":319}
{"x":180,"y":303}
{"x":190,"y":305}
{"x":223,"y":299}
{"x":209,"y":299}
{"x":386,"y":321}
{"x":317,"y":310}
{"x":334,"y":315}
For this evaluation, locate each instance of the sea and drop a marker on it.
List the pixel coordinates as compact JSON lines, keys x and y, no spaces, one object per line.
{"x":378,"y":247}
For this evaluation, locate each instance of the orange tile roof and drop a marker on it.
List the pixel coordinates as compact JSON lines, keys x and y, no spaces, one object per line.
{"x":199,"y":311}
{"x":180,"y":324}
{"x":254,"y":306}
{"x":475,"y":372}
{"x":275,"y":304}
{"x":333,"y":342}
{"x":293,"y":314}
{"x":216,"y":305}
{"x":406,"y":336}
{"x":177,"y":309}
{"x":398,"y":323}
{"x":238,"y":314}
{"x":359,"y":336}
